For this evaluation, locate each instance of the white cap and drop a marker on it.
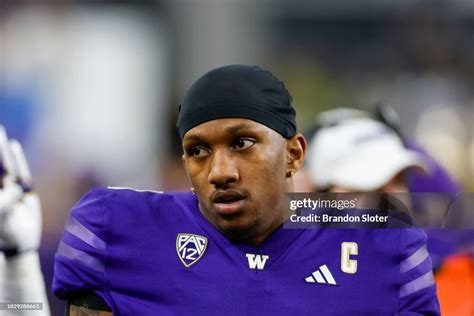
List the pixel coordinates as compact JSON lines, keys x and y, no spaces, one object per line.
{"x":359,"y":154}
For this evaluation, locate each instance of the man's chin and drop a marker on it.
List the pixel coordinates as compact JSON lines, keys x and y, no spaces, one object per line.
{"x":239,"y":233}
{"x":236,"y":227}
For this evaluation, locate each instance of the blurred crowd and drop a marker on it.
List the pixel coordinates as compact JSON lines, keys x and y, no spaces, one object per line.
{"x":92,"y":88}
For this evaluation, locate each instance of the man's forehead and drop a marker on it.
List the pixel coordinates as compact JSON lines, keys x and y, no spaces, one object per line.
{"x":224,"y":126}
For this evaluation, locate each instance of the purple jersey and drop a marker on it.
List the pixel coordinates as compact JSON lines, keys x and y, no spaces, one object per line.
{"x":149,"y":253}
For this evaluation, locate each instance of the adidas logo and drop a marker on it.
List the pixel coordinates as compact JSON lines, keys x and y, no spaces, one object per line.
{"x":321,"y":276}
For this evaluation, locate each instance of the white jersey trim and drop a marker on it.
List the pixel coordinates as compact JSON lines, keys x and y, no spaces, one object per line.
{"x":136,"y":190}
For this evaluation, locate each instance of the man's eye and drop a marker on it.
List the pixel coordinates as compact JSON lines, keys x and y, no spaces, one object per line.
{"x":198,"y":151}
{"x":243,"y":143}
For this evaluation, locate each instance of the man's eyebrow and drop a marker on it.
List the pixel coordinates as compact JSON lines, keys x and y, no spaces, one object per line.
{"x":230,"y":130}
{"x":236,"y":128}
{"x":192,"y":138}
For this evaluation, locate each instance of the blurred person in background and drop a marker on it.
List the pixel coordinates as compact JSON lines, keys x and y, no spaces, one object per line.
{"x":352,"y":150}
{"x":21,"y":279}
{"x":222,"y":249}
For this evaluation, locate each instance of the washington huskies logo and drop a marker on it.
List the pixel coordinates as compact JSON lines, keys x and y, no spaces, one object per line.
{"x":190,"y":248}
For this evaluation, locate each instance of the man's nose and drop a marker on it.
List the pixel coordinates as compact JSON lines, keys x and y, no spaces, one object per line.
{"x":224,"y":169}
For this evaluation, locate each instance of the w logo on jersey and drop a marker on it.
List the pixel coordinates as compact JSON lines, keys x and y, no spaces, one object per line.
{"x":190,"y":248}
{"x":256,"y":261}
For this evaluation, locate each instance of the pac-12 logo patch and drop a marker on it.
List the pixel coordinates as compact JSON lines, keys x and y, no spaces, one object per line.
{"x":190,"y":248}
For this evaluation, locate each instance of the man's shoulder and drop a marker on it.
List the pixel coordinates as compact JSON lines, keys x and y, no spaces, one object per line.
{"x":124,"y":196}
{"x":108,"y":226}
{"x":105,"y":203}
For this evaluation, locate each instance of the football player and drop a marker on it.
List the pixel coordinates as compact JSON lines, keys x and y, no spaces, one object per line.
{"x":21,"y":280}
{"x":222,"y":248}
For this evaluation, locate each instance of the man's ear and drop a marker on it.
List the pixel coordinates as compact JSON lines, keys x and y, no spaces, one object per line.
{"x":296,"y":149}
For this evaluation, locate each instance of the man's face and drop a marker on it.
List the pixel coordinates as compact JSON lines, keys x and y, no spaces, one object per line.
{"x":238,"y":169}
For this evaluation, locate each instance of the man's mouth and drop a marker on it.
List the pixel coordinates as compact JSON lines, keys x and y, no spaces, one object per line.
{"x":228,"y":202}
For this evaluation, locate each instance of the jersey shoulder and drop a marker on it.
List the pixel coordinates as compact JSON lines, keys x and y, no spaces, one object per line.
{"x":107,"y":219}
{"x":417,"y":286}
{"x":120,"y":201}
{"x":158,"y":200}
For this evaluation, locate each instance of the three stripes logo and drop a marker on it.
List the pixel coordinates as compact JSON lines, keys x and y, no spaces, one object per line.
{"x":321,"y":276}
